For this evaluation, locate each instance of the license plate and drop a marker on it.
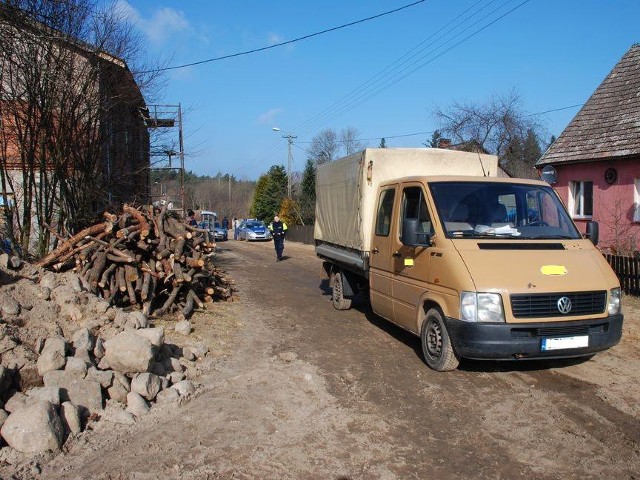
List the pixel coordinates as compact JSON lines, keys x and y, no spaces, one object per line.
{"x":564,"y":343}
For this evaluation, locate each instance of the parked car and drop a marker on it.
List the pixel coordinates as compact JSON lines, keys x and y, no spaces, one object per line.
{"x":220,"y":233}
{"x":253,"y":230}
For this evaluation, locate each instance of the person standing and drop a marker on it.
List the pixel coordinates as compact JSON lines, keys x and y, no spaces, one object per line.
{"x":278,"y":230}
{"x":236,"y":225}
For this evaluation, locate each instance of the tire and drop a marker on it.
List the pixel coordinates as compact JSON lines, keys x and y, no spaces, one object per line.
{"x":436,"y":344}
{"x":340,"y":302}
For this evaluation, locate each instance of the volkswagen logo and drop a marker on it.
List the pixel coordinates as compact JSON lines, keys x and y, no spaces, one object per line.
{"x":564,"y":305}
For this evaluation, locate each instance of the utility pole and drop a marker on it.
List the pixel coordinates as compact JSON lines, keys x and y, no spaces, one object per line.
{"x":289,"y":138}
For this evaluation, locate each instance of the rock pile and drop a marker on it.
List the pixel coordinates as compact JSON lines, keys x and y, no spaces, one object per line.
{"x":68,"y":358}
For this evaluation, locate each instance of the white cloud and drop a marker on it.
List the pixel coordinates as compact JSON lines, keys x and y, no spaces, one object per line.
{"x":160,"y":26}
{"x":274,"y":38}
{"x":268,"y":118}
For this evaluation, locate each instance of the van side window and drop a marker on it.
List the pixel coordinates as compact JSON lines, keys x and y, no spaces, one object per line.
{"x":385,"y":208}
{"x":414,"y":205}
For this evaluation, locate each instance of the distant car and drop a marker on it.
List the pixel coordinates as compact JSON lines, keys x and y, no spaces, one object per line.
{"x":219,"y":232}
{"x":253,"y":230}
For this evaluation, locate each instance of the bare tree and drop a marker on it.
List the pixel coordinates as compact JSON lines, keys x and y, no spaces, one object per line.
{"x":491,"y":126}
{"x":324,"y":147}
{"x":67,"y":108}
{"x":349,"y":139}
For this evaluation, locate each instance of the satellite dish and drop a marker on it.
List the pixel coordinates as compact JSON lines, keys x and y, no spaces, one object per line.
{"x":549,"y":175}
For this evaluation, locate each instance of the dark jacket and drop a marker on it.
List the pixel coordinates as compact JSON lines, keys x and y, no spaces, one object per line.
{"x":278,"y":229}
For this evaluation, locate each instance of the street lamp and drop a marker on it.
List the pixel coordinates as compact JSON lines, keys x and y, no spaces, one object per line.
{"x":289,"y":138}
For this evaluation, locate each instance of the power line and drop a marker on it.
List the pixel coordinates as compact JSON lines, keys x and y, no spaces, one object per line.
{"x":288,"y":42}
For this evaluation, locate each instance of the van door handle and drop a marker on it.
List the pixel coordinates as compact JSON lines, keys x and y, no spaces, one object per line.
{"x":396,"y":254}
{"x":375,"y":250}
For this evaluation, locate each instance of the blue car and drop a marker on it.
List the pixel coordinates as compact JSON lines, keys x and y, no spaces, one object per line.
{"x":253,"y":230}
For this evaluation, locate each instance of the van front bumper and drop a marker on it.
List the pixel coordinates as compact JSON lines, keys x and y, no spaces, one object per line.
{"x":521,"y":341}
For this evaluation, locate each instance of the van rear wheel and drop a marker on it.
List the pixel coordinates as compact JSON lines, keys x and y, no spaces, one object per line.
{"x":436,"y":344}
{"x":340,"y":302}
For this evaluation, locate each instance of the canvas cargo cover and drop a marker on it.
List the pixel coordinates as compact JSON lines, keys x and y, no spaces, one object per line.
{"x":346,"y":188}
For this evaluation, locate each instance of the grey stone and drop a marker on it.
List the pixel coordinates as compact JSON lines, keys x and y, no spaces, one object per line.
{"x":71,"y":418}
{"x":76,"y":366}
{"x":82,"y":338}
{"x":175,"y":377}
{"x":33,"y":429}
{"x":136,"y":404}
{"x":17,"y":402}
{"x":44,"y":394}
{"x":129,"y":353}
{"x":138,"y":318}
{"x":104,"y":364}
{"x":3,"y":416}
{"x":146,"y":384}
{"x":167,"y":396}
{"x":183,"y":327}
{"x":98,"y":350}
{"x":57,"y":342}
{"x":154,"y":335}
{"x":164,"y":383}
{"x":188,"y":354}
{"x":83,"y":354}
{"x":119,"y":388}
{"x":199,"y":350}
{"x":103,"y":377}
{"x":49,"y":280}
{"x":185,"y":388}
{"x":121,"y":417}
{"x":10,"y":307}
{"x":39,"y":345}
{"x":50,"y":359}
{"x":83,"y":393}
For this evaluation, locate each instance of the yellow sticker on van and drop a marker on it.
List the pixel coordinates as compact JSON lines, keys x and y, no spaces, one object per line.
{"x":553,"y":270}
{"x":408,"y":262}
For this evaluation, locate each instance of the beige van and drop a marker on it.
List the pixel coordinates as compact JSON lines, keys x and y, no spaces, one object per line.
{"x":479,"y":267}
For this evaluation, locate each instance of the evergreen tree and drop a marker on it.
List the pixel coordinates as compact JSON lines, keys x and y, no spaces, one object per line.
{"x":531,"y":149}
{"x":259,"y":195}
{"x":435,"y":140}
{"x":308,"y":193}
{"x":267,"y":202}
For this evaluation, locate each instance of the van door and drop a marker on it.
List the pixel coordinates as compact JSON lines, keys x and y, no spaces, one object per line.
{"x":380,"y":259}
{"x":411,"y":264}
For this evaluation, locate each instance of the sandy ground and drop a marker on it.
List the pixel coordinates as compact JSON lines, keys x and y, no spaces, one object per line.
{"x":294,"y":389}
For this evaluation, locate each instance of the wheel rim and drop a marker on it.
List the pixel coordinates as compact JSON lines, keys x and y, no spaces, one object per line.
{"x":434,"y":339}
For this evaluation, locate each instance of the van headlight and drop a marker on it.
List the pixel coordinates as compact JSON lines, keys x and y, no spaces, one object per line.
{"x":615,"y":301}
{"x":481,"y":307}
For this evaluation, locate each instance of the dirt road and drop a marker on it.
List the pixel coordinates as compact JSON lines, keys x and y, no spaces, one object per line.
{"x":298,"y":390}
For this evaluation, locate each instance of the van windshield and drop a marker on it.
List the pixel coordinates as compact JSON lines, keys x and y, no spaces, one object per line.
{"x":499,"y":210}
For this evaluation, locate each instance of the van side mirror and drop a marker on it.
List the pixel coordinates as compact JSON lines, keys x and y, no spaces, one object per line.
{"x":411,"y":236}
{"x":593,"y":232}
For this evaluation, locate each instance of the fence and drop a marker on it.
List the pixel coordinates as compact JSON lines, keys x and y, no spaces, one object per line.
{"x":628,"y":271}
{"x":300,"y":233}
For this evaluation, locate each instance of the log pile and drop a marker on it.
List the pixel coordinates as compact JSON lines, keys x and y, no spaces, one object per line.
{"x":144,"y":257}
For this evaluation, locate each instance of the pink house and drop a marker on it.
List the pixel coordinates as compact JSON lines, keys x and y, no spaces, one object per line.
{"x":597,"y":159}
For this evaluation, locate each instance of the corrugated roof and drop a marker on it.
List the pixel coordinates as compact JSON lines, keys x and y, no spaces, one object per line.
{"x":608,"y":125}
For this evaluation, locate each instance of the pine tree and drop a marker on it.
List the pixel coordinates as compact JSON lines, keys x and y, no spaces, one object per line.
{"x":308,"y":193}
{"x":268,"y":199}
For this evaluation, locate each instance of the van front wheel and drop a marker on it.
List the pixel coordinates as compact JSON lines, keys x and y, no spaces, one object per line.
{"x":340,"y":302}
{"x":436,"y":344}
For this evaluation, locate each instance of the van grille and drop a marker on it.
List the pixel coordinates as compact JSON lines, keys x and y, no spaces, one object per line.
{"x":546,"y":305}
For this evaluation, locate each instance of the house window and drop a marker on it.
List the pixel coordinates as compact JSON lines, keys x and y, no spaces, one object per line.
{"x":636,"y":199}
{"x":581,"y":199}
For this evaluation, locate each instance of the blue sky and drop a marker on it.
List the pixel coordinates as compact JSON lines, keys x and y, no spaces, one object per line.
{"x":554,"y":53}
